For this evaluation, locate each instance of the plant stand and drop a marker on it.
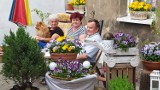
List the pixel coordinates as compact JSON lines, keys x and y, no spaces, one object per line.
{"x":85,"y":83}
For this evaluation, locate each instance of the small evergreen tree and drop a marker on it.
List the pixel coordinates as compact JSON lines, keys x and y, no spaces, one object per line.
{"x":23,"y":60}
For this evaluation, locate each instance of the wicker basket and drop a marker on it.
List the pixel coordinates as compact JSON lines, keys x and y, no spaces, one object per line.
{"x":138,"y":15}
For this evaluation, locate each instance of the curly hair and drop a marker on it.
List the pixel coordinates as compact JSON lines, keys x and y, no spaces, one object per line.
{"x":76,"y":15}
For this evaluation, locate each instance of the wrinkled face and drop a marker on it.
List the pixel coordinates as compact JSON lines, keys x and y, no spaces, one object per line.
{"x":53,"y":23}
{"x":91,"y":28}
{"x":76,"y":22}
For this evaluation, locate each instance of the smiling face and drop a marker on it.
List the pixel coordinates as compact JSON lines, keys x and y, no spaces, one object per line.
{"x":76,"y":22}
{"x":91,"y":28}
{"x":53,"y":23}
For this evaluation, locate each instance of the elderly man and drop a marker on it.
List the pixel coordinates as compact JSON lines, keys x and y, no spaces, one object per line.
{"x":90,"y":51}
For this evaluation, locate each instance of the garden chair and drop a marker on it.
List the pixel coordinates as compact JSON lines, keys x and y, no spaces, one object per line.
{"x":97,"y":69}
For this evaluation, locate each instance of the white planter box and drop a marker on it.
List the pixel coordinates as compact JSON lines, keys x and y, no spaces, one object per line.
{"x":118,"y":56}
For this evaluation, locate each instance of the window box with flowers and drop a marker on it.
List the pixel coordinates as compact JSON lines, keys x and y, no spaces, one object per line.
{"x":65,"y":49}
{"x":150,"y":55}
{"x":139,"y":10}
{"x":123,"y":41}
{"x":79,"y":5}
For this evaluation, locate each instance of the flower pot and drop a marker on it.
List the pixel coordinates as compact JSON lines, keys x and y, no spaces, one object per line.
{"x":81,"y":8}
{"x":138,"y":15}
{"x":148,"y":65}
{"x":64,"y":56}
{"x":76,"y":8}
{"x":70,"y":7}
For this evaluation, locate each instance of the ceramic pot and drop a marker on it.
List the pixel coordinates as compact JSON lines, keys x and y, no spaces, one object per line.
{"x":149,"y":65}
{"x":76,"y":8}
{"x":64,"y":56}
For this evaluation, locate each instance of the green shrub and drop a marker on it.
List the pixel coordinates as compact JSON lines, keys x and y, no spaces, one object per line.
{"x":23,"y":60}
{"x":120,"y":83}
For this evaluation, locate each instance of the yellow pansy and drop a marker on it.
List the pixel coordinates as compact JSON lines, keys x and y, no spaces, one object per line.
{"x":65,"y":47}
{"x":60,"y":39}
{"x":54,"y":49}
{"x":70,"y":48}
{"x":139,"y":6}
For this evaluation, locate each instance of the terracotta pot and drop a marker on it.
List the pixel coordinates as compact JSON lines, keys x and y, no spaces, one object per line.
{"x":64,"y":56}
{"x":70,"y":7}
{"x":148,"y":65}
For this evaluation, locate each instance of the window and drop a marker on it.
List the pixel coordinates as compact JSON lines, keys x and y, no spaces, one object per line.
{"x":127,"y":18}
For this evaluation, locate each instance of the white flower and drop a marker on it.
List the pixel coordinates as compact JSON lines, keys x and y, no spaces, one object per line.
{"x":52,"y":65}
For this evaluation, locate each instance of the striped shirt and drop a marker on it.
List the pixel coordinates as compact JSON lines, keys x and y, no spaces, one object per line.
{"x":80,"y":30}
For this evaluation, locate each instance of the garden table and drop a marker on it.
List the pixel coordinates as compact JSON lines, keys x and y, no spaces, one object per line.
{"x":85,"y":83}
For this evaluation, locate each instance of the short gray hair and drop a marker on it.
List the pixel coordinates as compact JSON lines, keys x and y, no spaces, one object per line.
{"x":53,"y":16}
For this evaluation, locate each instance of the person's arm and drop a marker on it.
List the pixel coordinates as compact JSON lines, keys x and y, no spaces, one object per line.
{"x":82,"y":37}
{"x":53,"y":37}
{"x":82,"y":56}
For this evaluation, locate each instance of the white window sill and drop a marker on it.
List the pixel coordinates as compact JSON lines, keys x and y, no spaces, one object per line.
{"x":72,"y":11}
{"x":127,"y":19}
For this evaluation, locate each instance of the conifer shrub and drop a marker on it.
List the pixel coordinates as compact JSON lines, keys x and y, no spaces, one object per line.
{"x":22,"y":58}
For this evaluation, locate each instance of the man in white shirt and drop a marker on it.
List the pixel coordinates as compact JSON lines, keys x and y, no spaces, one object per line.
{"x":90,"y":51}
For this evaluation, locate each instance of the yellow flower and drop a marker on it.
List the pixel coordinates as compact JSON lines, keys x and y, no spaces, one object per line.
{"x":60,"y":39}
{"x":65,"y":47}
{"x":54,"y":49}
{"x":139,"y":6}
{"x":70,"y":48}
{"x":77,"y":2}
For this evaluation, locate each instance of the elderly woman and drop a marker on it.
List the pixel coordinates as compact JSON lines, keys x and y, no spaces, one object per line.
{"x":54,"y":30}
{"x":77,"y":30}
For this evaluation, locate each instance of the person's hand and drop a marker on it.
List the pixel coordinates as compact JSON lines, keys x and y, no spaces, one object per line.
{"x":39,"y":38}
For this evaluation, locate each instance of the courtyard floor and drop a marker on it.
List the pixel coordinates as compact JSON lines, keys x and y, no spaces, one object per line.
{"x":7,"y":84}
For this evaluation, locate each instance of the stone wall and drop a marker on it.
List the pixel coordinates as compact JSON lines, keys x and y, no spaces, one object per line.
{"x":109,"y":10}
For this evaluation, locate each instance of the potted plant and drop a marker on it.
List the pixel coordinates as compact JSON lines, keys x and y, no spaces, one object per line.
{"x":79,"y":5}
{"x":123,"y":41}
{"x":22,"y":58}
{"x":120,"y":83}
{"x":150,"y":55}
{"x":138,"y":10}
{"x":67,"y":70}
{"x":65,"y":48}
{"x":74,"y":74}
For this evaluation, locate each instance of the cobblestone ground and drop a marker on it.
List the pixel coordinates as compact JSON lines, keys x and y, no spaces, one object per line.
{"x":6,"y":84}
